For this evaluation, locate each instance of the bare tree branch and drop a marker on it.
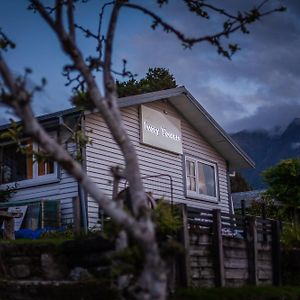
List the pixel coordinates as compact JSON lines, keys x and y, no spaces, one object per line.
{"x":19,"y":100}
{"x":99,"y":34}
{"x":237,"y":23}
{"x":70,"y":10}
{"x":153,"y":278}
{"x":58,"y":14}
{"x":5,"y":42}
{"x":152,"y":281}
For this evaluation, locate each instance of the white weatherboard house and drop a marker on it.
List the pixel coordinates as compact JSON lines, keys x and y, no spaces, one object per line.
{"x":184,"y":155}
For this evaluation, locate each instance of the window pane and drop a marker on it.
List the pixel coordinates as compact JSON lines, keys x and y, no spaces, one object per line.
{"x":206,"y":180}
{"x":192,"y":184}
{"x":15,"y":166}
{"x":190,"y":168}
{"x":45,"y":166}
{"x":191,"y":175}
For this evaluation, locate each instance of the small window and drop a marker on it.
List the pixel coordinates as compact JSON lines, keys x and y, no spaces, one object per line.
{"x":17,"y":166}
{"x":45,"y":166}
{"x":201,"y":179}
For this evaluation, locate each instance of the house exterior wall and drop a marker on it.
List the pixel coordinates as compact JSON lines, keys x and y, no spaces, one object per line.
{"x":104,"y":153}
{"x":63,"y":189}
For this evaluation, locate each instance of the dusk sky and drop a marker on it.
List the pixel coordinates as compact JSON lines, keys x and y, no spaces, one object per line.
{"x":258,"y":88}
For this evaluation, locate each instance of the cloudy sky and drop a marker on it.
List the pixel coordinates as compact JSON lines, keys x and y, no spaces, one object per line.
{"x":258,"y":88}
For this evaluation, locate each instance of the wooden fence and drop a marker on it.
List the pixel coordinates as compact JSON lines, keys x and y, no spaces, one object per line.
{"x":228,"y":250}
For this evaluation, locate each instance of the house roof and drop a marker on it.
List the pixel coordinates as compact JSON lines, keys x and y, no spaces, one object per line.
{"x":50,"y":120}
{"x":248,"y":197}
{"x":191,"y":110}
{"x":200,"y":119}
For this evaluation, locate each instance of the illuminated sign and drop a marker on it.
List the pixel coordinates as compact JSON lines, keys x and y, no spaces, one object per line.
{"x":160,"y":130}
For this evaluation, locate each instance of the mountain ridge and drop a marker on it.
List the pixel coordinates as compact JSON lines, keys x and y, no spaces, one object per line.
{"x":267,"y":149}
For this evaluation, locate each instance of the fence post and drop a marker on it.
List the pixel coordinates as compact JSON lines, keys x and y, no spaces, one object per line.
{"x":9,"y":228}
{"x":76,"y":215}
{"x":185,"y":265}
{"x":252,"y":249}
{"x":264,"y":227}
{"x":276,"y":253}
{"x":218,"y":248}
{"x":243,"y":212}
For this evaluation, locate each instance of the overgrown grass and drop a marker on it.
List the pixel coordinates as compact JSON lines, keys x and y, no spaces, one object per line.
{"x":242,"y":293}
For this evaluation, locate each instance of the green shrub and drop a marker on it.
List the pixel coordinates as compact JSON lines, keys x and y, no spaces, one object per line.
{"x":290,"y":236}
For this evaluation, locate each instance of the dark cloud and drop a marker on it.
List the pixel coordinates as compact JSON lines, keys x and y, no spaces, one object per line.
{"x":260,"y":87}
{"x":267,"y":117}
{"x":263,"y":78}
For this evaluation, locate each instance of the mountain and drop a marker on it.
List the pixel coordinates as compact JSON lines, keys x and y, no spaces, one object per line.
{"x":267,"y":149}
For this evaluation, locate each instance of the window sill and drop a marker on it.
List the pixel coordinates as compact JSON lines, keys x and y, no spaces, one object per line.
{"x":30,"y":183}
{"x":203,"y":198}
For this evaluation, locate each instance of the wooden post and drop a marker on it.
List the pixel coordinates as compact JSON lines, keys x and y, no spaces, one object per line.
{"x":76,"y":215}
{"x":217,"y":242}
{"x":276,"y":254}
{"x":9,"y":228}
{"x":9,"y":224}
{"x":264,"y":227}
{"x":252,"y":250}
{"x":185,"y":277}
{"x":243,"y":212}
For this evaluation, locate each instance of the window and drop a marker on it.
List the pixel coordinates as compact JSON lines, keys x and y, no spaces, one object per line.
{"x":201,"y":179}
{"x":17,"y":166}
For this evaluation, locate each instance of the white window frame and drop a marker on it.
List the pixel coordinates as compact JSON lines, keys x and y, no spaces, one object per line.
{"x":36,"y":179}
{"x":196,"y":194}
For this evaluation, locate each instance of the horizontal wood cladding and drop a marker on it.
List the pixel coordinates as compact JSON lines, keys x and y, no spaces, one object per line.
{"x":63,"y":190}
{"x":104,"y":153}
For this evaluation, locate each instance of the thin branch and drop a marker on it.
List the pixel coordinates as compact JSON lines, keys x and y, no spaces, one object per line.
{"x":5,"y":42}
{"x":212,"y":39}
{"x":132,"y":168}
{"x":260,"y":6}
{"x":36,"y":5}
{"x":87,"y":32}
{"x":58,"y":14}
{"x":70,"y":11}
{"x":100,"y":37}
{"x":20,"y":102}
{"x":108,"y":79}
{"x":106,"y":105}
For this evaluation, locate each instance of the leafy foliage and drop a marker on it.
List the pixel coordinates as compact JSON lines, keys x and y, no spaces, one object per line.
{"x":290,"y":236}
{"x":156,"y":79}
{"x":13,"y":133}
{"x":130,"y":260}
{"x":81,"y":100}
{"x":284,"y":181}
{"x":166,"y":218}
{"x":268,"y":207}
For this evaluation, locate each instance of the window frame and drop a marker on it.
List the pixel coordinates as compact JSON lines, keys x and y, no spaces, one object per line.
{"x":196,"y":194}
{"x":36,"y":179}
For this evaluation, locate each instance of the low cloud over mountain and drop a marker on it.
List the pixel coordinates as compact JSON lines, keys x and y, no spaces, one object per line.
{"x":267,"y":149}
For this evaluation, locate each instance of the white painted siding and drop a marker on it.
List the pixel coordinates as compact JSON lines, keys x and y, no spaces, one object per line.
{"x":104,"y":153}
{"x":64,"y":190}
